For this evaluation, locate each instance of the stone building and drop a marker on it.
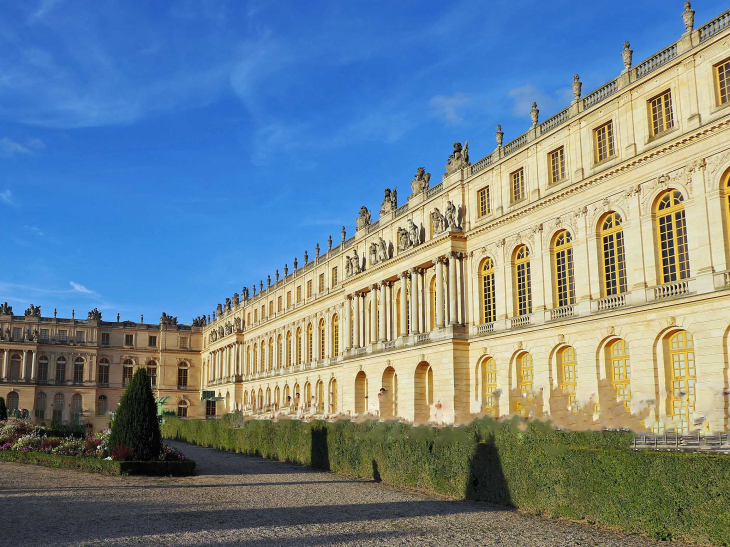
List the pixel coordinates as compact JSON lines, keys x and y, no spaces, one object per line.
{"x":579,"y":272}
{"x":75,"y":371}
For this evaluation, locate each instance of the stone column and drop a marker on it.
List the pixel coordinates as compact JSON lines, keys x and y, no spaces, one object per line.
{"x":347,"y":322}
{"x":356,"y":323}
{"x":23,"y":375}
{"x":33,"y":365}
{"x":414,"y":302}
{"x":440,"y":292}
{"x":383,"y":329}
{"x":5,"y":365}
{"x":403,"y":303}
{"x":453,"y":319}
{"x":373,"y":314}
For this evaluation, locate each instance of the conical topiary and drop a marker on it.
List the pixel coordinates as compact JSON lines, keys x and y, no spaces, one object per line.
{"x":135,"y":423}
{"x":3,"y":410}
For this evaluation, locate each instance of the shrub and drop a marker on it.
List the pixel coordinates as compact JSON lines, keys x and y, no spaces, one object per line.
{"x":122,"y":454}
{"x":135,"y":423}
{"x":3,"y":410}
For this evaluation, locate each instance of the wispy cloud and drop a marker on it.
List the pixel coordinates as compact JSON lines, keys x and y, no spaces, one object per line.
{"x":10,"y":148}
{"x":77,"y":287}
{"x":6,"y":196}
{"x":450,"y":109}
{"x":34,"y":230}
{"x":44,"y":8}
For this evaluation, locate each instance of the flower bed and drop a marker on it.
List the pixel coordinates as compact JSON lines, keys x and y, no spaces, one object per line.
{"x":21,"y":441}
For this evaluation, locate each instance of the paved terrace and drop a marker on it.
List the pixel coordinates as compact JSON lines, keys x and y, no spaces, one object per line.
{"x":242,"y":500}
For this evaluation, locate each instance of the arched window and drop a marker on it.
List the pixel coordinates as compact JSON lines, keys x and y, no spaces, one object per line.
{"x":563,"y":268}
{"x":255,"y":359}
{"x":525,"y":376}
{"x":279,"y":352}
{"x":271,"y":353}
{"x":248,"y":360}
{"x":490,"y":386}
{"x":567,"y":378}
{"x":620,"y":371}
{"x":61,"y":370}
{"x":432,"y":301}
{"x":127,"y":371}
{"x":79,"y":370}
{"x":13,"y":401}
{"x":43,"y":369}
{"x":263,"y":356}
{"x":40,"y":405}
{"x":486,"y":283}
{"x":398,"y":312}
{"x":523,"y":281}
{"x":182,"y":409}
{"x":103,"y":377}
{"x":322,"y":339}
{"x":58,"y":403}
{"x":76,"y":408}
{"x":288,"y":349}
{"x":672,"y":233}
{"x":15,"y":366}
{"x":335,"y":335}
{"x":310,"y":342}
{"x":333,"y":396}
{"x":611,"y":233}
{"x":182,"y":375}
{"x":101,"y":405}
{"x":299,"y":346}
{"x":152,"y":373}
{"x":682,"y":378}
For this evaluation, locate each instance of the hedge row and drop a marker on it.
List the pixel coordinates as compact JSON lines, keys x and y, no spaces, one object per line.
{"x":589,"y":475}
{"x":94,"y":465}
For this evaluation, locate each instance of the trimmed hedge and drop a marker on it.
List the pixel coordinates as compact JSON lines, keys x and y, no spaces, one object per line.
{"x":594,"y":476}
{"x":94,"y":465}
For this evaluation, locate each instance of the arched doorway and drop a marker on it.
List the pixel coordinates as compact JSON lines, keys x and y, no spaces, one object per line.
{"x":320,"y":397}
{"x":333,"y":396}
{"x":388,"y":400}
{"x":423,"y":392}
{"x":361,"y":393}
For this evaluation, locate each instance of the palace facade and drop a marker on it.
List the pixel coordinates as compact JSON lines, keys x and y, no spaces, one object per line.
{"x":578,"y":273}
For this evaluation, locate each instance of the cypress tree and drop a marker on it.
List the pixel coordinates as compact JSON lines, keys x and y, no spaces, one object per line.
{"x":135,"y":423}
{"x":3,"y":410}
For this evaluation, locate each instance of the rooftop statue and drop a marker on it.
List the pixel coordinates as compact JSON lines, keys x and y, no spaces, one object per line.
{"x":5,"y":309}
{"x":95,"y":315}
{"x":167,"y":319}
{"x":459,"y":159}
{"x":363,"y":219}
{"x":33,"y":311}
{"x":390,"y":202}
{"x":420,"y":182}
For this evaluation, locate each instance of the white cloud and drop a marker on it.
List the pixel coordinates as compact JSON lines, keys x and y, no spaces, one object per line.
{"x":10,"y":148}
{"x":7,"y":197}
{"x":80,"y":288}
{"x":451,"y":109}
{"x":36,"y":144}
{"x":44,"y":8}
{"x":523,"y":97}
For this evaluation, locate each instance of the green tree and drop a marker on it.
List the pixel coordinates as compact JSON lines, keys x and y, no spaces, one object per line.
{"x":135,"y":422}
{"x":3,"y":410}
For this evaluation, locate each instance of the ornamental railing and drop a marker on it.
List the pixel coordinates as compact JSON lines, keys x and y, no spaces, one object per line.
{"x":562,"y":312}
{"x":611,"y":302}
{"x":551,"y":123}
{"x":485,"y":328}
{"x":519,"y":321}
{"x":719,"y":24}
{"x":515,"y":144}
{"x":482,"y":164}
{"x":435,"y":190}
{"x":656,"y":61}
{"x":600,"y":94}
{"x":669,"y":290}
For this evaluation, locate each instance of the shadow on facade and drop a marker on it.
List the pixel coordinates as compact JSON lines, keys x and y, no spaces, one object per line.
{"x":320,"y":453}
{"x":487,"y":481}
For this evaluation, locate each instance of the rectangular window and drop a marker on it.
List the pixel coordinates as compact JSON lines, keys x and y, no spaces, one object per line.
{"x":104,"y":374}
{"x":660,"y":109}
{"x":309,"y":289}
{"x":44,"y":334}
{"x":127,"y":373}
{"x":153,"y":341}
{"x":104,"y":338}
{"x":248,"y":318}
{"x":278,"y":303}
{"x":334,"y":276}
{"x":288,"y":299}
{"x":483,"y":201}
{"x":603,"y":142}
{"x":182,"y":377}
{"x":210,"y":409}
{"x":129,"y":339}
{"x":61,"y":334}
{"x":299,"y":294}
{"x":722,"y":73}
{"x":321,"y":282}
{"x":517,"y":185}
{"x":271,"y":308}
{"x":255,"y":315}
{"x":183,"y":342}
{"x":556,"y":159}
{"x":152,"y":373}
{"x":80,"y":336}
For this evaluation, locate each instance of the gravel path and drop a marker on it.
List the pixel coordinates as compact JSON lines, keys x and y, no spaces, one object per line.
{"x":255,"y":502}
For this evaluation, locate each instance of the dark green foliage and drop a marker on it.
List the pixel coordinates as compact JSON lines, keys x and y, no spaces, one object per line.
{"x":594,"y":476}
{"x":107,"y":467}
{"x":135,"y":422}
{"x":3,"y":410}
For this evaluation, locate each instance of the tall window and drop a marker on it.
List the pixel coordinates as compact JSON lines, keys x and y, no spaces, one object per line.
{"x":16,"y":365}
{"x":490,"y":386}
{"x":103,"y":378}
{"x":58,"y":404}
{"x":76,"y":409}
{"x":127,"y":371}
{"x":279,"y":354}
{"x":278,"y":303}
{"x":523,"y":283}
{"x":722,"y":73}
{"x":255,"y":358}
{"x":563,"y":268}
{"x":483,"y":201}
{"x":309,"y":288}
{"x":182,"y":375}
{"x":299,"y":294}
{"x":263,"y":356}
{"x":43,"y":369}
{"x":321,"y":283}
{"x":288,"y":299}
{"x":310,"y":342}
{"x":336,"y":335}
{"x":299,"y":346}
{"x":620,"y":370}
{"x":614,"y":263}
{"x":79,"y":370}
{"x":672,"y":231}
{"x":288,"y":349}
{"x":101,"y":405}
{"x":603,"y":142}
{"x":660,"y":109}
{"x":13,"y":401}
{"x":568,"y":380}
{"x":556,"y":161}
{"x":322,"y":338}
{"x":271,"y":308}
{"x":525,"y":376}
{"x":182,"y":409}
{"x":152,"y":373}
{"x":60,"y":370}
{"x":40,"y":405}
{"x":271,"y":353}
{"x":517,"y":185}
{"x":334,"y":276}
{"x":683,"y":378}
{"x":486,"y":275}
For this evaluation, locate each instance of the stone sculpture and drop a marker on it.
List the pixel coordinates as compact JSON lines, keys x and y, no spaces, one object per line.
{"x":237,"y":323}
{"x":534,"y":113}
{"x":451,"y":216}
{"x":382,"y":250}
{"x":33,"y":311}
{"x":420,"y":182}
{"x":390,"y":202}
{"x":414,"y":233}
{"x":627,"y":55}
{"x":167,"y":319}
{"x":499,"y":135}
{"x":577,"y":86}
{"x":5,"y":309}
{"x":236,"y":299}
{"x":459,"y":159}
{"x":437,"y":220}
{"x":689,"y":17}
{"x":228,"y":304}
{"x":363,"y":219}
{"x":95,"y":315}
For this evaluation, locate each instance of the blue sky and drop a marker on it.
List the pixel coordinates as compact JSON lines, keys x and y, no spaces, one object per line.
{"x":157,"y":156}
